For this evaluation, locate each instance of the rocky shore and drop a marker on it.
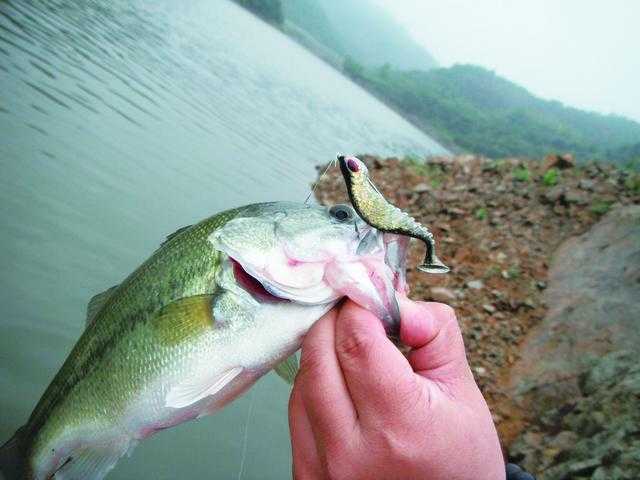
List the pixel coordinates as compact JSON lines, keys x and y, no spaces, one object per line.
{"x":498,"y":224}
{"x":578,"y":376}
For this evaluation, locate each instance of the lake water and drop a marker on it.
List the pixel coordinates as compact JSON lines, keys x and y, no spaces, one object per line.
{"x":121,"y":121}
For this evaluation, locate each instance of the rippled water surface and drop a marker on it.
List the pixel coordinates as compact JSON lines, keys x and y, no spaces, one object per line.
{"x":122,"y":121}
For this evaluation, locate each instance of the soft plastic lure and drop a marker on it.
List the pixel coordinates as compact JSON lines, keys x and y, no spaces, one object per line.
{"x":374,"y":209}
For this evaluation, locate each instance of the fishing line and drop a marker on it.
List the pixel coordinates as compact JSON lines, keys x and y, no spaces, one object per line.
{"x":245,"y":440}
{"x":315,"y":184}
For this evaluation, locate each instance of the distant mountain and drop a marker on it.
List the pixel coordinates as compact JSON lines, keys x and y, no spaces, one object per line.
{"x":464,"y":107}
{"x":481,"y":112}
{"x":360,"y":29}
{"x":628,"y":155}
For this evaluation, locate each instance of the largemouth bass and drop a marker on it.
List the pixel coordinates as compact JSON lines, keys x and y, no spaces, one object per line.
{"x":217,"y":306}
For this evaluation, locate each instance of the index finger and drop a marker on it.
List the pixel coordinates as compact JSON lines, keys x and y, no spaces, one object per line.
{"x":322,"y":385}
{"x":378,"y":376}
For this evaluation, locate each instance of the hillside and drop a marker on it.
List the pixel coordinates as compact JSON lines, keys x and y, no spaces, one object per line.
{"x":479,"y":111}
{"x":360,"y":29}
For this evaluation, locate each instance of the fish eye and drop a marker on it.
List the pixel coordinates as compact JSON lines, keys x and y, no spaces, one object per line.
{"x":342,"y":213}
{"x":352,"y":164}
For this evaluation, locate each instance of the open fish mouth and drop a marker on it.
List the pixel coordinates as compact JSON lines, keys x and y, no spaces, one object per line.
{"x":305,"y":255}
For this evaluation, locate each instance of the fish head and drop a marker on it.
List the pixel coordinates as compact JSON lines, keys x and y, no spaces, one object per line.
{"x":315,"y":255}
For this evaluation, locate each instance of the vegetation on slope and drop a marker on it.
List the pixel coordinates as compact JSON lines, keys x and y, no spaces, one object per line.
{"x":481,"y":112}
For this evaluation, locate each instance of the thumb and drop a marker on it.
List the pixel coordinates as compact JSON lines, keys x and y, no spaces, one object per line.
{"x":378,"y":376}
{"x":432,"y":330}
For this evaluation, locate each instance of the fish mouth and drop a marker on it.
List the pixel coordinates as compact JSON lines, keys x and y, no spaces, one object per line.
{"x":372,"y":277}
{"x":377,"y":278}
{"x":307,"y":256}
{"x":252,"y":285}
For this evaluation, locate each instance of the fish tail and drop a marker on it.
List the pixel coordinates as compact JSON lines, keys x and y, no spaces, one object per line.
{"x":12,"y":458}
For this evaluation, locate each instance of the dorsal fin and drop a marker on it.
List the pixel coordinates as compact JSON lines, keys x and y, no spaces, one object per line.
{"x":96,"y":303}
{"x":174,"y":234}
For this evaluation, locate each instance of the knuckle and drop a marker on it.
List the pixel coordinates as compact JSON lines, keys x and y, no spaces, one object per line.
{"x":356,"y":345}
{"x":414,"y":395}
{"x":448,"y":320}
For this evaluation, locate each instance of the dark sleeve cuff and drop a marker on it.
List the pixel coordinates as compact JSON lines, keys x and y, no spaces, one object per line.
{"x":514,"y":472}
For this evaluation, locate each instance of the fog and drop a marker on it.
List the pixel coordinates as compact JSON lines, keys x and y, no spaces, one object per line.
{"x":585,"y":54}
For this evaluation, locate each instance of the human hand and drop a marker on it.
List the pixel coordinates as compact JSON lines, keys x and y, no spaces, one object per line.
{"x":360,"y":410}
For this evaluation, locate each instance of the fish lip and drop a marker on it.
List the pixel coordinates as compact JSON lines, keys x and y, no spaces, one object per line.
{"x":392,"y":320}
{"x":252,"y":285}
{"x":392,"y":285}
{"x":396,"y":256}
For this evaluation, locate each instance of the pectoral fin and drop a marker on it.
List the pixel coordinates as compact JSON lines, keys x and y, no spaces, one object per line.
{"x":288,"y":369}
{"x":183,"y":319}
{"x":192,"y":390}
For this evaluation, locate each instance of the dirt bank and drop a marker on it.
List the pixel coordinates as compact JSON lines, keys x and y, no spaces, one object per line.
{"x":497,"y":223}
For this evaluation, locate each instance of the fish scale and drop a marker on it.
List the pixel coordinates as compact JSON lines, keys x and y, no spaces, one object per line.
{"x":183,"y":266}
{"x":214,"y":308}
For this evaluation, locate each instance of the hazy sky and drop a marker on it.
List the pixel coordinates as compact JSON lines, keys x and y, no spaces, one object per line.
{"x":584,"y":53}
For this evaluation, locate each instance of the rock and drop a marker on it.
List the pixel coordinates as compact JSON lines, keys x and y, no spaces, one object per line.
{"x":541,"y":285}
{"x":559,"y":161}
{"x":573,"y":196}
{"x":442,"y":294}
{"x":604,"y":374}
{"x":586,"y":184}
{"x":459,"y":292}
{"x":585,"y":466}
{"x":455,"y":212}
{"x":481,"y":371}
{"x":582,"y":269}
{"x":564,"y":440}
{"x":475,"y":284}
{"x":421,"y":188}
{"x":487,"y":307}
{"x":554,"y":194}
{"x":577,"y":372}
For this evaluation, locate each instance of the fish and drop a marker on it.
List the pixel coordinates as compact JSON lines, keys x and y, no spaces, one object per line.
{"x":374,"y":209}
{"x":219,"y":304}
